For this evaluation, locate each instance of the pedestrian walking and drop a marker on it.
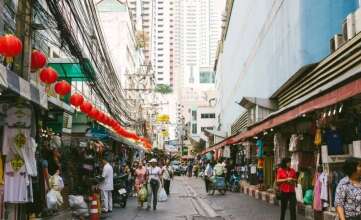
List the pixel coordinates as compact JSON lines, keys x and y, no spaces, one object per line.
{"x":140,"y":179}
{"x":348,"y":191}
{"x":208,"y":173}
{"x":190,"y":169}
{"x":106,"y":186}
{"x":286,"y":180}
{"x":154,"y":174}
{"x":167,"y":176}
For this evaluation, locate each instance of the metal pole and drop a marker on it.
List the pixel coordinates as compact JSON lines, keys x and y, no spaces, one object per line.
{"x":23,"y":30}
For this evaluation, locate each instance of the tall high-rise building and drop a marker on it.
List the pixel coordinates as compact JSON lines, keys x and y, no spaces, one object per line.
{"x":157,"y":23}
{"x":197,"y":34}
{"x":142,"y":15}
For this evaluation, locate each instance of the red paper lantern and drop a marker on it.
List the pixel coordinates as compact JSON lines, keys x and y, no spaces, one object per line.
{"x":93,"y":113}
{"x":48,"y":75}
{"x":38,"y":59}
{"x":11,"y":45}
{"x":76,"y":99}
{"x":62,"y":88}
{"x":100,"y":117}
{"x":86,"y":107}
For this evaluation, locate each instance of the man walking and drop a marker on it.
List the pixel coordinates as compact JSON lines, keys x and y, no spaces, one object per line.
{"x":106,"y":186}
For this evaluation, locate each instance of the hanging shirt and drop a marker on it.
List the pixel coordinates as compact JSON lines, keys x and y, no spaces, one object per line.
{"x":17,"y":187}
{"x":323,"y":178}
{"x":107,"y":184}
{"x":334,"y":142}
{"x":260,"y":148}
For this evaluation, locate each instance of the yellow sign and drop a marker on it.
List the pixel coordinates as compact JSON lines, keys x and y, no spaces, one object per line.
{"x":163,"y":118}
{"x":164,"y":133}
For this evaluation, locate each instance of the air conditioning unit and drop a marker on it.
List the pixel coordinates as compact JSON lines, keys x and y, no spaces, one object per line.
{"x":336,"y":42}
{"x":350,"y":23}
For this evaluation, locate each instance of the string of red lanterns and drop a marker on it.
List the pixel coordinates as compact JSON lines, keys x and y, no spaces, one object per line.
{"x":92,"y":112}
{"x":11,"y":46}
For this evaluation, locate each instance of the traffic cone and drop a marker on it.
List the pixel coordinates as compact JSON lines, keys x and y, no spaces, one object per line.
{"x":94,"y":214}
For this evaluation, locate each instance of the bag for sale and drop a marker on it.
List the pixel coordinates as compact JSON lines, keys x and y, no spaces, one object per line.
{"x":162,"y":195}
{"x":299,"y":193}
{"x":143,"y":194}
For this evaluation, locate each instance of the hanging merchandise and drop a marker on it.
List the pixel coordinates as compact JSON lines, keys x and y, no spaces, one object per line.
{"x":299,"y":193}
{"x":323,"y":179}
{"x":295,"y":142}
{"x":317,"y":203}
{"x":260,"y":148}
{"x":280,"y":148}
{"x":333,"y":141}
{"x":19,"y":148}
{"x":318,"y":137}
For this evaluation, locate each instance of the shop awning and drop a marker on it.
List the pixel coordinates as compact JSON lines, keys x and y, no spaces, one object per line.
{"x":318,"y":99}
{"x":72,"y":69}
{"x":13,"y":82}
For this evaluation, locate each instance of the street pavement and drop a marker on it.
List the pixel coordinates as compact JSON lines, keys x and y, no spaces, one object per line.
{"x":188,"y":201}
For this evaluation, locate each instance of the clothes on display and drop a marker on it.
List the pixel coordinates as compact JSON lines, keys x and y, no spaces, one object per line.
{"x":280,"y":147}
{"x":260,"y":148}
{"x":317,"y":203}
{"x":318,"y":137}
{"x":19,"y":148}
{"x":334,"y":142}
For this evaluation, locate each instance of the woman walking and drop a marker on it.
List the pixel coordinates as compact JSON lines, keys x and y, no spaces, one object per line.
{"x":140,"y":179}
{"x":154,"y":174}
{"x":286,"y":180}
{"x":167,"y":176}
{"x":348,"y":191}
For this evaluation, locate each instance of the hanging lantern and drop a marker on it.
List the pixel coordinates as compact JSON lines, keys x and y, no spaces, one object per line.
{"x":38,"y":60}
{"x":11,"y":46}
{"x":93,"y":113}
{"x":62,"y":88}
{"x":100,"y":117}
{"x":76,"y":99}
{"x":86,"y":107}
{"x":48,"y":75}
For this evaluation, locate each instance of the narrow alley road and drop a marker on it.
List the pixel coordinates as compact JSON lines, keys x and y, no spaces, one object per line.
{"x":188,"y":201}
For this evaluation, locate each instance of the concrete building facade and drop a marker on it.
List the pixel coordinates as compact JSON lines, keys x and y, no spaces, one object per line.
{"x":266,"y":42}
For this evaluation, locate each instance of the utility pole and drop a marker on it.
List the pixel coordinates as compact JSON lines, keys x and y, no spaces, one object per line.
{"x":22,"y":63}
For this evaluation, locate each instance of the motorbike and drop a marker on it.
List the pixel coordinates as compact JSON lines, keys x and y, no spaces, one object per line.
{"x":120,"y":193}
{"x":233,"y":184}
{"x":218,"y":183}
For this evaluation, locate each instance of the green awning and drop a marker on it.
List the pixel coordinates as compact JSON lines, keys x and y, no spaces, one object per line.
{"x":73,"y":69}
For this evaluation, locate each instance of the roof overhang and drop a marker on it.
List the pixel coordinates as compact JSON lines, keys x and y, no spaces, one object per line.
{"x":250,"y":102}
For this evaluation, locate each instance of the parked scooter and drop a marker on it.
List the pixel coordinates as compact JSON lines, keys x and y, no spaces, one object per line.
{"x":120,"y":193}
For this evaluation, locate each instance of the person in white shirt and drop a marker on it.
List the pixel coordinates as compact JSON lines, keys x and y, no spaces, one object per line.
{"x":154,"y":174}
{"x":167,"y":176}
{"x":106,"y":186}
{"x":208,"y":173}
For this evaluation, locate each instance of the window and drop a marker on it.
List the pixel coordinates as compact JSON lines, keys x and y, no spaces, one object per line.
{"x":194,"y":128}
{"x":206,"y":77}
{"x":160,"y":73}
{"x":208,"y":115}
{"x":194,"y":115}
{"x":208,"y":128}
{"x":160,"y":79}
